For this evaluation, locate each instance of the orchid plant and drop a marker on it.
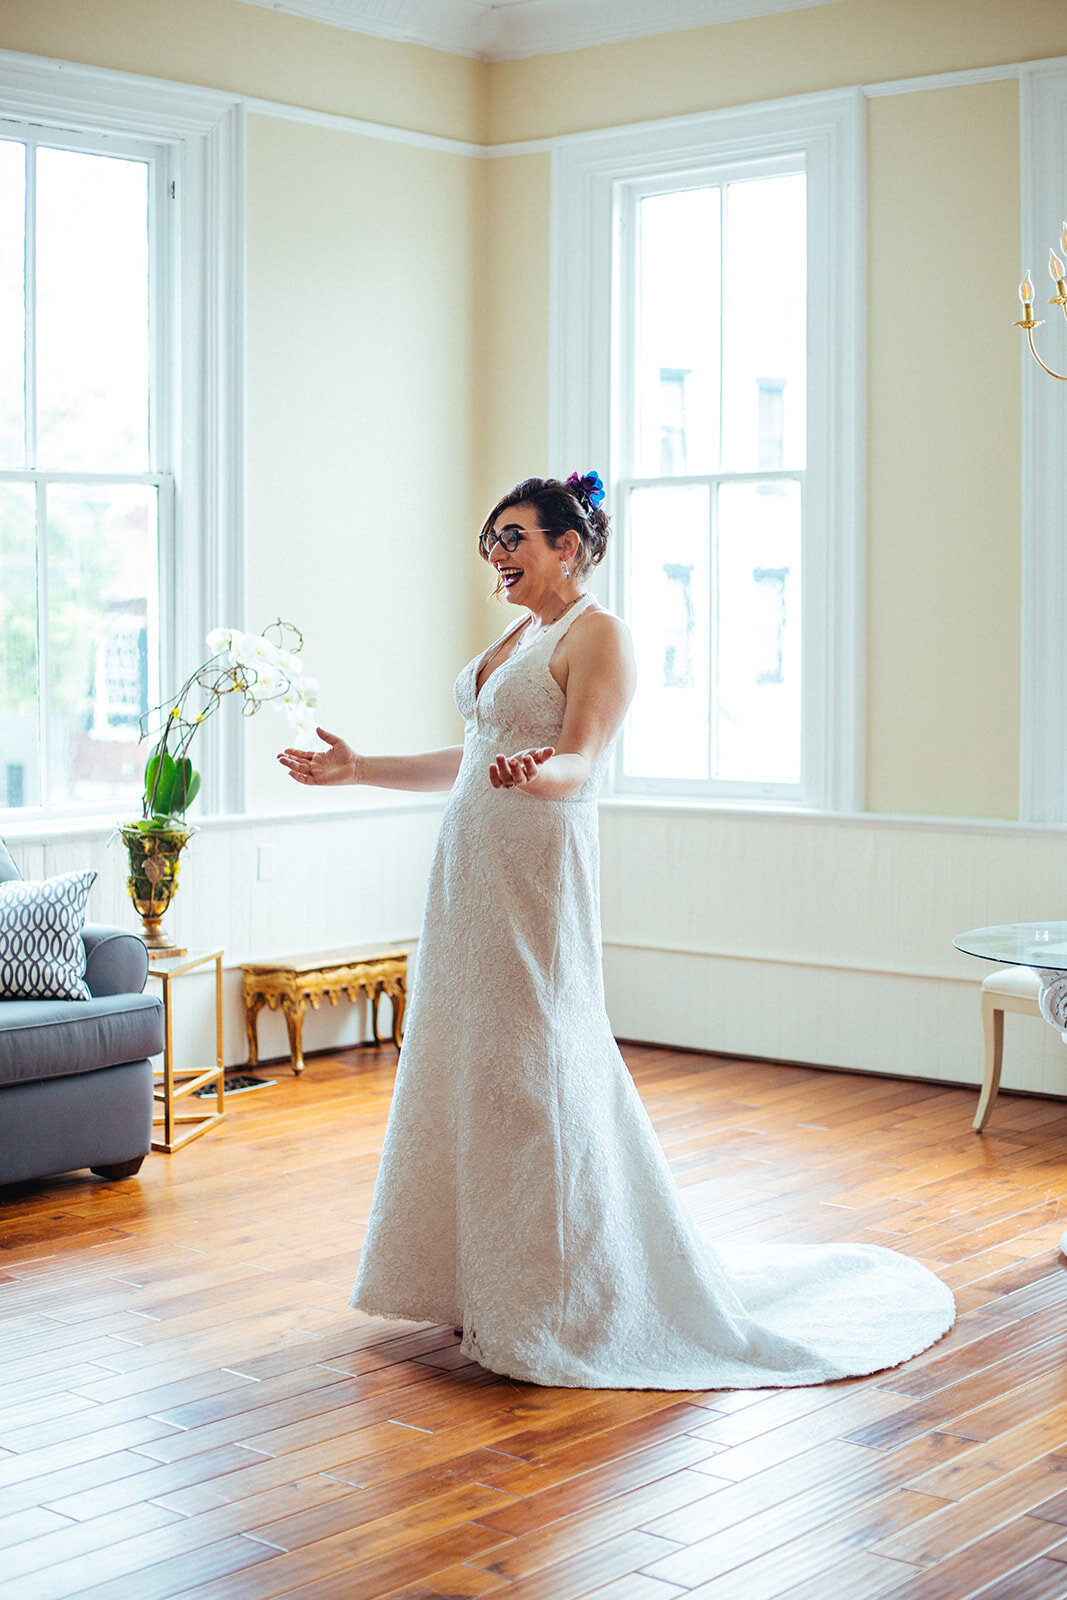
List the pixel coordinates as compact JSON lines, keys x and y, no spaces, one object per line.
{"x":263,"y":668}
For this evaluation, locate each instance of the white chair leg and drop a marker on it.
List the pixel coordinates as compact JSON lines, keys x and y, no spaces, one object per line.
{"x":993,"y":1029}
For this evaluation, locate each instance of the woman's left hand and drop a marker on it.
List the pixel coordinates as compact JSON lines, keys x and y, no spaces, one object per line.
{"x":514,"y":772}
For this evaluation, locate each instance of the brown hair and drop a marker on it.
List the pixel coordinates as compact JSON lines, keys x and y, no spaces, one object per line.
{"x":560,"y":507}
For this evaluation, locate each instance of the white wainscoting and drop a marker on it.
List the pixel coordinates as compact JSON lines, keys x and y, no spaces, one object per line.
{"x":822,"y":939}
{"x":345,"y":877}
{"x":800,"y":938}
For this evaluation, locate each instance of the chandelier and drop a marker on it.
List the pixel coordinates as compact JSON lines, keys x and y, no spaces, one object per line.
{"x":1028,"y":322}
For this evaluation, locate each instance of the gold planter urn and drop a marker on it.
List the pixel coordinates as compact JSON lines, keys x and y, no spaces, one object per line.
{"x":153,"y":880}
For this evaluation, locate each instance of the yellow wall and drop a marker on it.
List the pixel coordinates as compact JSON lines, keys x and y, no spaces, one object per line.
{"x":364,"y":371}
{"x":943,"y":453}
{"x":252,"y":50}
{"x":795,"y":52}
{"x":516,"y":248}
{"x":517,"y":253}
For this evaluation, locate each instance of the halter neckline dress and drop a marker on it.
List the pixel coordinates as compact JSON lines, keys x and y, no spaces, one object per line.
{"x":522,"y":1191}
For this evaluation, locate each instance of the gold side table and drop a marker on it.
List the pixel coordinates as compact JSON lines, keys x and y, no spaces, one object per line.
{"x":174,"y":1084}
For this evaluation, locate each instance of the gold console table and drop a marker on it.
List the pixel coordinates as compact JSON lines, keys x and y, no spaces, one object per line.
{"x":295,"y":982}
{"x":174,"y":1084}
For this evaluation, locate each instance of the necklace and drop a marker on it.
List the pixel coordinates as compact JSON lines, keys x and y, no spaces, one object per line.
{"x":528,"y":636}
{"x":525,"y":639}
{"x":562,"y":613}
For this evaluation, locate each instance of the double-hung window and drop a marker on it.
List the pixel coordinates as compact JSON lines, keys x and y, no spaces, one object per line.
{"x":708,"y":351}
{"x":121,"y":271}
{"x":86,"y":491}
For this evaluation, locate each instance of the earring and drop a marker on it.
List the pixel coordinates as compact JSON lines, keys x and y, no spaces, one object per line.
{"x":566,"y":570}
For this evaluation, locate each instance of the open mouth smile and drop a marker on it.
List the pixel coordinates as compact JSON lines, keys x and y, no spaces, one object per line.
{"x":509,"y":576}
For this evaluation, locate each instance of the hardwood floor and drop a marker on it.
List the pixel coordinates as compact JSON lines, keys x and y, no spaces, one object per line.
{"x":188,"y":1407}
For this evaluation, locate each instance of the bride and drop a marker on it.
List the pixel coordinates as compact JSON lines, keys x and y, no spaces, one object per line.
{"x":522,"y":1191}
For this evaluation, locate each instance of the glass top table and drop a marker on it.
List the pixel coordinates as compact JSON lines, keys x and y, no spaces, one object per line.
{"x":1021,"y":944}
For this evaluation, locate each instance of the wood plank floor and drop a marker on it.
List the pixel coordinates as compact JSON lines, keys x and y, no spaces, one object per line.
{"x":188,"y":1407}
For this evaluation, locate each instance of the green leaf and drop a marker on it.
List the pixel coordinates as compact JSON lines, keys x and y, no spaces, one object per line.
{"x":150,"y":778}
{"x":170,"y":786}
{"x":186,"y":784}
{"x":159,"y":787}
{"x":166,"y":785}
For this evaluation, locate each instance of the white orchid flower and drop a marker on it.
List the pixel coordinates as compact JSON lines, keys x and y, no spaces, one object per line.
{"x":290,"y":664}
{"x":254,"y":651}
{"x":301,"y":721}
{"x":293,"y":669}
{"x":268,"y":674}
{"x":266,"y":679}
{"x":238,"y":646}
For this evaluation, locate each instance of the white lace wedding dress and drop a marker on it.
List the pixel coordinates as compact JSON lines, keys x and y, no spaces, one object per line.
{"x":522,"y":1190}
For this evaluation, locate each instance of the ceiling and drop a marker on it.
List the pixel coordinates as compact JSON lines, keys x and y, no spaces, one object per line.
{"x":504,"y":30}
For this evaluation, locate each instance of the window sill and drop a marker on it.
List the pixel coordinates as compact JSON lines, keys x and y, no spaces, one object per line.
{"x":86,"y":827}
{"x":759,"y":810}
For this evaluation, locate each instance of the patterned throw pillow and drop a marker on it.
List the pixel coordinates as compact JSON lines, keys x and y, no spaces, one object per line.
{"x":42,"y":956}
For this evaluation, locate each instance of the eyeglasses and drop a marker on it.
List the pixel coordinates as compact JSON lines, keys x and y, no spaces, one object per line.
{"x":508,"y":537}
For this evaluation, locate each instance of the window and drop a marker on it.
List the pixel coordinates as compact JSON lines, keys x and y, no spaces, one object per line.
{"x":771,"y":452}
{"x":120,"y":318}
{"x":707,"y":347}
{"x":83,"y":415}
{"x":717,"y":273}
{"x":673,"y":426}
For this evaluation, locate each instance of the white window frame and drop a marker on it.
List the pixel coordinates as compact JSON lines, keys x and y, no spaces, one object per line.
{"x":197,"y":353}
{"x":828,"y":131}
{"x":1043,"y":668}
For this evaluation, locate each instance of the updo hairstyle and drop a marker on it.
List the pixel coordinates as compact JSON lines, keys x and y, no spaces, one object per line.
{"x":560,"y":507}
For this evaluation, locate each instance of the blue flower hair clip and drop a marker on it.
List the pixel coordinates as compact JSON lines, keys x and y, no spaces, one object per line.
{"x":588,"y":487}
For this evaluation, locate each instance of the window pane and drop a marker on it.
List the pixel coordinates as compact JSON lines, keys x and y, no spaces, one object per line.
{"x":765,"y":324}
{"x":677,"y":400}
{"x":20,"y":775}
{"x":757,"y":633}
{"x":92,"y":312}
{"x":12,"y":305}
{"x":667,"y":585}
{"x":103,"y":647}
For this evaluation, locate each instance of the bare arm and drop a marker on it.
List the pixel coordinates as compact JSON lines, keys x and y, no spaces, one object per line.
{"x":339,"y":764}
{"x":599,"y":686}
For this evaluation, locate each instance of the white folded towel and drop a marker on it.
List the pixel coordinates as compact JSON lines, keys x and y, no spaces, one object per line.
{"x":1053,"y":998}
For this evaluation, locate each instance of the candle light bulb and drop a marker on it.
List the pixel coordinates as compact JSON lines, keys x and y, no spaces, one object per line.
{"x":1026,"y":290}
{"x":1063,"y":239}
{"x":1055,"y":266}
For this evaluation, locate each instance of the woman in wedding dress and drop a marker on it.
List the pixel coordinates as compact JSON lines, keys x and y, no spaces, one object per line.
{"x":522,"y":1191}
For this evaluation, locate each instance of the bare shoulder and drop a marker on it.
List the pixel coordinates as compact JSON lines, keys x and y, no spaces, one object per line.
{"x":600,"y":633}
{"x":596,"y":651}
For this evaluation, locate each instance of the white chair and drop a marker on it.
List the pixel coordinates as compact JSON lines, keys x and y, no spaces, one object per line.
{"x":1006,"y":989}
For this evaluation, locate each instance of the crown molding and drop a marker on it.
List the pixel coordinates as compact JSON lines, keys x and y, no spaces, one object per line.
{"x":508,"y":30}
{"x":548,"y":27}
{"x":447,"y":25}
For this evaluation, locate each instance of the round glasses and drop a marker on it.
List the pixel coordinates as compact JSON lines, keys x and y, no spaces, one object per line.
{"x":509,"y":538}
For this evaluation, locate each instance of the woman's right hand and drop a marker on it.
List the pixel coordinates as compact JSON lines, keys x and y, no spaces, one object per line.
{"x":338,"y":763}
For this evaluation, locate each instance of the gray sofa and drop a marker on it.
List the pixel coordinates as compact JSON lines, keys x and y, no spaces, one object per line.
{"x":75,"y":1078}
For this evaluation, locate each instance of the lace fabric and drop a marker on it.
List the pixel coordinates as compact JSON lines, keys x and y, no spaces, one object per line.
{"x":522,"y":1190}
